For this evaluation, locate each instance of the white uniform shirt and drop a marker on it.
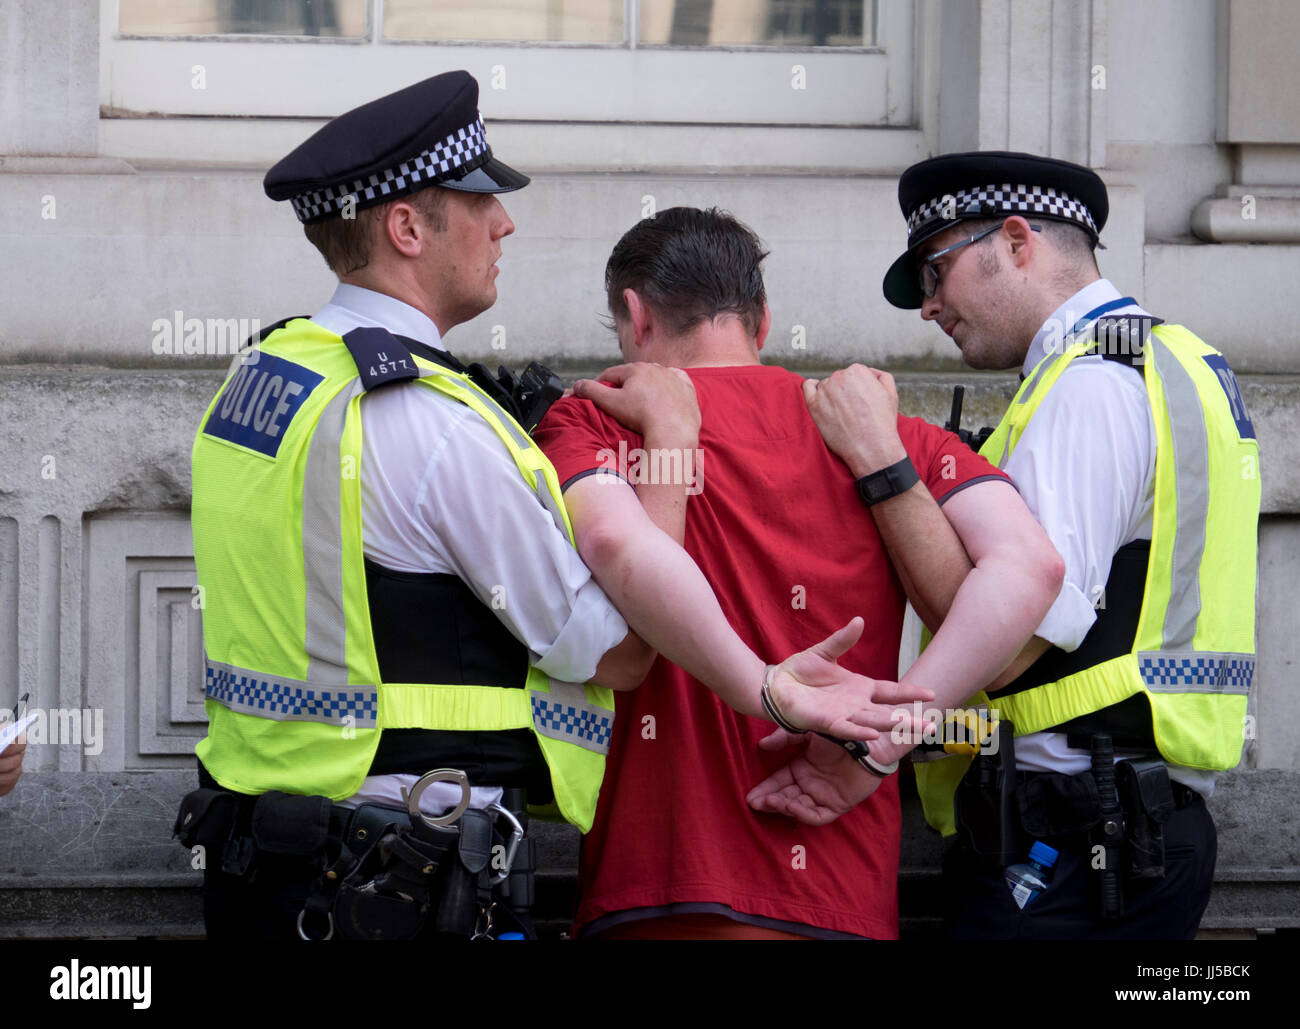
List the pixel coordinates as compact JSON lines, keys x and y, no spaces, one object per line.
{"x":440,"y":493}
{"x":1085,"y":466}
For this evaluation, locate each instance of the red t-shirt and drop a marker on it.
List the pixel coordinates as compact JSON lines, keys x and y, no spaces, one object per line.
{"x":792,"y":554}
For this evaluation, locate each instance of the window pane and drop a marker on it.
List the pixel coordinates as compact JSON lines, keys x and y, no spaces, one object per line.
{"x":550,"y":21}
{"x":242,"y":17}
{"x":758,"y":22}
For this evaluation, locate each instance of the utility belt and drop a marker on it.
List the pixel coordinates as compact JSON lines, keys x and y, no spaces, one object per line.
{"x":1116,"y":811}
{"x":377,"y":872}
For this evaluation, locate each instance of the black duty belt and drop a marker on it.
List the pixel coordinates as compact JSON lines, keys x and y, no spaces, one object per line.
{"x":377,"y":872}
{"x":1053,"y":805}
{"x":1117,"y":809}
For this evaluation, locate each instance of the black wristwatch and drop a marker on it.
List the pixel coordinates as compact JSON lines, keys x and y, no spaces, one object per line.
{"x":888,"y":482}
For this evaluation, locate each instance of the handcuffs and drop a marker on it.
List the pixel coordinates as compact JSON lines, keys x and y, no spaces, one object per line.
{"x":857,"y":749}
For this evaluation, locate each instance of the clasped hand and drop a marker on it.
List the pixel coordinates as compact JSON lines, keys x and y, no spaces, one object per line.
{"x":856,"y":411}
{"x":824,"y":781}
{"x":650,"y":399}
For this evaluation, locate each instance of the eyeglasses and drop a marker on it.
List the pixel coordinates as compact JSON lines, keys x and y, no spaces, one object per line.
{"x":929,"y":274}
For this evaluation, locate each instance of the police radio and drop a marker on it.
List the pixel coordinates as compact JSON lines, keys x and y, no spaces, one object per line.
{"x":534,"y":392}
{"x":527,"y":397}
{"x":974,"y":440}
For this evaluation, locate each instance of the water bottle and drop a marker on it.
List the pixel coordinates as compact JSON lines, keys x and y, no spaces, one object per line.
{"x":1026,"y":881}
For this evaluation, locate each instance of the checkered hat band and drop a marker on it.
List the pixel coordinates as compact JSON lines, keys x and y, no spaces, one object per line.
{"x":429,"y":166}
{"x":1004,"y":199}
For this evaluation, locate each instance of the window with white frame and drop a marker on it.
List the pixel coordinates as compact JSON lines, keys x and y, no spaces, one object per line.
{"x":720,"y":63}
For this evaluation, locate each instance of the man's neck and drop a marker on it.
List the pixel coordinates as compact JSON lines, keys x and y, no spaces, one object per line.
{"x":1050,"y":300}
{"x":353,"y":304}
{"x":394,"y":286}
{"x":706,"y":346}
{"x":1055,"y":296}
{"x":1070,"y":313}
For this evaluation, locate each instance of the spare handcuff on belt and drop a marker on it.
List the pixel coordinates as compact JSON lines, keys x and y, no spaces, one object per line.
{"x":435,"y":868}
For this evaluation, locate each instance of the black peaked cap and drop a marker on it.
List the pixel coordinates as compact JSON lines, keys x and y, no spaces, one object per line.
{"x":428,"y":134}
{"x":937,"y":193}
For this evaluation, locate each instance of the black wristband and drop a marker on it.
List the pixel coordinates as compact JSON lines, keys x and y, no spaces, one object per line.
{"x":888,"y":482}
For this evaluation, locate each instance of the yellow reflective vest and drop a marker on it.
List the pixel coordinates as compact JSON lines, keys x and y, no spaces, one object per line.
{"x":293,"y":691}
{"x":1193,"y":656}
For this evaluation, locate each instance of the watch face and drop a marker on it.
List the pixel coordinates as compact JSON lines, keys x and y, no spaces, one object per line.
{"x":888,"y":482}
{"x":877,"y":486}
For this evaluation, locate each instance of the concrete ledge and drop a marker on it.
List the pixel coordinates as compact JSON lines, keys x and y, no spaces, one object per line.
{"x":1249,"y":216}
{"x":74,"y":868}
{"x":139,"y":424}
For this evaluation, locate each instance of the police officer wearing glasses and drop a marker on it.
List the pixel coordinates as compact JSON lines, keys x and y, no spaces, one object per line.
{"x":1131,"y":444}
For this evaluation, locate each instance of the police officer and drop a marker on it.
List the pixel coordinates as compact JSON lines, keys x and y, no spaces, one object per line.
{"x":389,"y":580}
{"x":1130,"y":442}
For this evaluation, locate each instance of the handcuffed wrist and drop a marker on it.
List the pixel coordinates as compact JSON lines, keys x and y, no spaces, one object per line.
{"x":770,"y":706}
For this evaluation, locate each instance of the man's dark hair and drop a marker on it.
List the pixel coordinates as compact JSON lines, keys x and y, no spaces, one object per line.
{"x":690,"y":266}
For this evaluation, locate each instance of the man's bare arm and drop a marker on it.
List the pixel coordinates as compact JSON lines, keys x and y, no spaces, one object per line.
{"x":856,"y":410}
{"x":631,"y":393}
{"x":1016,"y":577}
{"x":667,"y":600}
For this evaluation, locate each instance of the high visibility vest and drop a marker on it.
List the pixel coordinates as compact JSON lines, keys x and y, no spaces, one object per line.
{"x":1193,"y":656}
{"x":294,"y":697}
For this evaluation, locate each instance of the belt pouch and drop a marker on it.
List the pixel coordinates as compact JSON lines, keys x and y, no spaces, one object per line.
{"x":519,"y":889}
{"x":287,"y":823}
{"x":361,"y":913}
{"x":985,"y":804}
{"x":1148,"y":800}
{"x":458,"y":908}
{"x":1052,"y":804}
{"x":205,"y":818}
{"x":370,"y":823}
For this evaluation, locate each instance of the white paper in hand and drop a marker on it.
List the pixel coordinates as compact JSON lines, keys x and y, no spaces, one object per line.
{"x":10,"y":731}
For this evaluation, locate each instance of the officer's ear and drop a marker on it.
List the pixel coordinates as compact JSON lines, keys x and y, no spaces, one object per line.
{"x":1022,"y":240}
{"x":401,"y":227}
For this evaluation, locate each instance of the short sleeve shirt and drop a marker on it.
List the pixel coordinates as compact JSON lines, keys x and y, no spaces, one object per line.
{"x":776,"y":526}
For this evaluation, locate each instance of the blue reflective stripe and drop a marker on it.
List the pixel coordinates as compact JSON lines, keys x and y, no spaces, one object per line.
{"x":291,"y":700}
{"x":587,"y":727}
{"x":1196,"y":672}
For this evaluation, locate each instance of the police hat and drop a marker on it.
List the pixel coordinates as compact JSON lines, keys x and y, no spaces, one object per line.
{"x":988,"y":184}
{"x":429,"y":134}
